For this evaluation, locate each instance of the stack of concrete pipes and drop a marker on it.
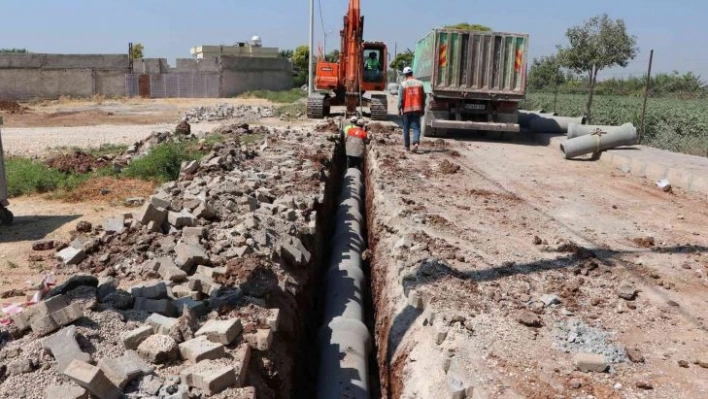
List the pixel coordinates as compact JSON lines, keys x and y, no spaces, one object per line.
{"x":586,"y":139}
{"x":345,"y":342}
{"x":542,"y":122}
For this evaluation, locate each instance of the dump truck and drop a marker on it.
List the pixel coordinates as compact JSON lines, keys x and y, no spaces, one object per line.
{"x":474,"y":80}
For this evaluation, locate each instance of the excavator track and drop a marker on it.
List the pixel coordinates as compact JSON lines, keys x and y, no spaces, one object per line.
{"x":317,"y":107}
{"x":379,"y":107}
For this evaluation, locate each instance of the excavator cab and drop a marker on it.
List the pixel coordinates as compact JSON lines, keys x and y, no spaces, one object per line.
{"x":374,"y":66}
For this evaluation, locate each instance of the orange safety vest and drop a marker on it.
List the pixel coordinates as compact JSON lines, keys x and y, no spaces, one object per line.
{"x":413,"y":93}
{"x":357,"y":132}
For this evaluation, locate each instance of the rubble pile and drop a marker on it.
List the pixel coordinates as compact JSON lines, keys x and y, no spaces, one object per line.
{"x":77,"y":162}
{"x":245,"y":113}
{"x":199,"y":293}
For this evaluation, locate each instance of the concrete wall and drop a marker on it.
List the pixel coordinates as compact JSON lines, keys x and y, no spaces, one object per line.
{"x":151,"y":65}
{"x":65,"y":61}
{"x":243,"y":74}
{"x":201,"y":65}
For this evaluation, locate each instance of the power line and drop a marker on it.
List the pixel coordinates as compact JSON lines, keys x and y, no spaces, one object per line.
{"x":319,"y":4}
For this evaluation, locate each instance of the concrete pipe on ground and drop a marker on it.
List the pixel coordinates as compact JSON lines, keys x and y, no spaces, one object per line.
{"x":345,"y":341}
{"x":596,"y":142}
{"x":553,"y":124}
{"x":526,"y":116}
{"x":576,"y":130}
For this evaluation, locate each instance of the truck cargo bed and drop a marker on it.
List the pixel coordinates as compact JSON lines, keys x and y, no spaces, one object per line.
{"x":472,"y":64}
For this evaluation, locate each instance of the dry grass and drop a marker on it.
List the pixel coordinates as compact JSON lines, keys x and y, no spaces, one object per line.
{"x":107,"y":189}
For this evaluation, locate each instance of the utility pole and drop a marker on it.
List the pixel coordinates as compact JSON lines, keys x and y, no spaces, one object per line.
{"x":312,"y":39}
{"x":646,"y":95}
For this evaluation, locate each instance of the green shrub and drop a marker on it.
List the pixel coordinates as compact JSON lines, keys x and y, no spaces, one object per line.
{"x":25,"y":176}
{"x":162,"y":163}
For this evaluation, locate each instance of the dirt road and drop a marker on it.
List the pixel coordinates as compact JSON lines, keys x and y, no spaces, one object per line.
{"x":485,"y":232}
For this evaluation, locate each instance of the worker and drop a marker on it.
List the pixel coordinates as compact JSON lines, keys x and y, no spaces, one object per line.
{"x":356,"y":139}
{"x":411,"y":106}
{"x":372,"y":63}
{"x":352,"y":122}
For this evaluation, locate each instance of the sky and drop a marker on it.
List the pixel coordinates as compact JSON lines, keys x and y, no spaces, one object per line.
{"x":674,"y":29}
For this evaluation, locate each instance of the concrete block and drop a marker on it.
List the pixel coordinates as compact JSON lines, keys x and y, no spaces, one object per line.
{"x":156,"y":291}
{"x":114,"y":225}
{"x":65,"y":391}
{"x":259,"y":340}
{"x":655,"y":171}
{"x":132,"y":339}
{"x":221,"y":331}
{"x":181,"y":219}
{"x":151,"y":213}
{"x":210,"y":272}
{"x":590,"y":362}
{"x":160,"y":323}
{"x":63,"y":346}
{"x":169,"y":271}
{"x":121,"y":370}
{"x":199,"y":308}
{"x":295,"y":253}
{"x":183,"y":291}
{"x":161,"y":306}
{"x":204,"y":285}
{"x":193,"y":235}
{"x":200,"y":348}
{"x":204,"y":211}
{"x":242,"y":358}
{"x":71,"y":255}
{"x":209,"y":377}
{"x":160,"y":201}
{"x":190,"y":255}
{"x":52,"y":322}
{"x":93,"y":379}
{"x":158,"y":349}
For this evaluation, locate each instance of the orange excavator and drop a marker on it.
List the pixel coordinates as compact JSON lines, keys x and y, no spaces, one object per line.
{"x":361,"y":69}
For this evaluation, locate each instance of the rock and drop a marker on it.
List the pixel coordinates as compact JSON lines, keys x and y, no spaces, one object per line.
{"x":121,"y":370}
{"x":575,"y":383}
{"x":537,"y":240}
{"x":295,"y":253}
{"x":158,"y":349}
{"x":134,"y":201}
{"x":20,"y":366}
{"x":85,"y":243}
{"x":181,"y":219}
{"x":71,"y":255}
{"x":189,"y":256}
{"x":132,"y":339}
{"x":151,"y":213}
{"x":590,"y":362}
{"x":114,"y":225}
{"x":635,"y":355}
{"x":119,"y":299}
{"x":63,"y":346}
{"x":550,"y":299}
{"x":93,"y":379}
{"x":43,"y":245}
{"x":626,"y":291}
{"x":150,"y":385}
{"x":204,"y":211}
{"x":529,"y":319}
{"x":84,"y":226}
{"x":189,"y":167}
{"x":644,"y":385}
{"x":683,"y":363}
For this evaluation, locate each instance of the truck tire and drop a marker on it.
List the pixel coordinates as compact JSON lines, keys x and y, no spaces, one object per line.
{"x":6,"y":217}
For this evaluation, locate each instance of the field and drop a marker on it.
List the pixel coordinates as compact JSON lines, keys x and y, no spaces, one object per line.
{"x":671,"y":124}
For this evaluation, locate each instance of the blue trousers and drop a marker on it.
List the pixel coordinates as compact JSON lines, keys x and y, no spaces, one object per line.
{"x":411,"y":120}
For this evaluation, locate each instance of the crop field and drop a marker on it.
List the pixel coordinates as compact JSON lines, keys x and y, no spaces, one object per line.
{"x":671,"y":124}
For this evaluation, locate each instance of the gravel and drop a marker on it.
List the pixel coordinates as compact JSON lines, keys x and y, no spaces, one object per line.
{"x":573,"y":336}
{"x":246,"y":113}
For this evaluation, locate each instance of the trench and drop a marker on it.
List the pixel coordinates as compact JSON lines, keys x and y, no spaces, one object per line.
{"x":335,"y":349}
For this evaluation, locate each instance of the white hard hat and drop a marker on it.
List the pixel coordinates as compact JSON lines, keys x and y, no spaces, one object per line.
{"x":353,"y":119}
{"x":407,"y":70}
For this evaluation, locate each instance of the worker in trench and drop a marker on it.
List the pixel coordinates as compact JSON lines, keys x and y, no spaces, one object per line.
{"x":355,"y":140}
{"x":411,"y":107}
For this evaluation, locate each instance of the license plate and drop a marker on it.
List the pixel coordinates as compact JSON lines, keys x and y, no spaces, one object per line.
{"x":475,"y":106}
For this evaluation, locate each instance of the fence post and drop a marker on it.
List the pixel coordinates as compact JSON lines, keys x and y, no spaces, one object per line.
{"x":646,"y":96}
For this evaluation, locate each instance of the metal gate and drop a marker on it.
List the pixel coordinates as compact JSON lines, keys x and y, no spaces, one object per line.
{"x":173,"y":85}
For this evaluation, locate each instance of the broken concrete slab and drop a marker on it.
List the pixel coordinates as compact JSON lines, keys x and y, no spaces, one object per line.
{"x":168,"y":270}
{"x":295,"y":253}
{"x":121,"y":370}
{"x":158,"y":349}
{"x":155,"y":291}
{"x":211,"y":378}
{"x":183,"y":291}
{"x":259,"y":340}
{"x":63,"y":346}
{"x":181,"y":219}
{"x":93,"y":379}
{"x":189,"y":167}
{"x":65,"y":391}
{"x":161,"y":306}
{"x":193,"y":235}
{"x":114,"y":225}
{"x":132,"y":339}
{"x":210,"y":272}
{"x":62,"y":317}
{"x":161,"y":200}
{"x":151,"y":213}
{"x":199,"y":308}
{"x":161,"y":324}
{"x":204,"y":211}
{"x":190,"y":255}
{"x":221,"y":331}
{"x":71,"y":255}
{"x":200,"y":348}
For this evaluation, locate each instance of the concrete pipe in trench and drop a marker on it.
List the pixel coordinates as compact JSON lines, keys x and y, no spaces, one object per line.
{"x":598,"y":142}
{"x":576,"y":130}
{"x":553,"y":124}
{"x":345,"y":341}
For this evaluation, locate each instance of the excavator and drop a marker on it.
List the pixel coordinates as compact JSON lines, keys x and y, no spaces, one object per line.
{"x":361,"y":69}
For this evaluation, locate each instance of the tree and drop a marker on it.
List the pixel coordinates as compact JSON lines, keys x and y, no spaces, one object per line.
{"x":470,"y":27}
{"x":137,"y":51}
{"x":285,"y":54}
{"x":545,"y":73}
{"x":14,"y":50}
{"x":301,"y":57}
{"x":402,"y":60}
{"x":597,"y":44}
{"x":332,"y":56}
